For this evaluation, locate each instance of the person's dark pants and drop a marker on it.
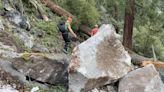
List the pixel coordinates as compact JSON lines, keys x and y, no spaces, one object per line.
{"x":66,"y":40}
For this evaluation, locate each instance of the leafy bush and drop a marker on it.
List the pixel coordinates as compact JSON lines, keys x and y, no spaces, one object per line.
{"x":144,"y":38}
{"x":49,"y":27}
{"x":85,"y":12}
{"x":1,"y":6}
{"x":52,"y":38}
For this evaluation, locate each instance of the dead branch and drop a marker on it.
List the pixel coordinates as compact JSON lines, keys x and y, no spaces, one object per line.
{"x":40,"y":9}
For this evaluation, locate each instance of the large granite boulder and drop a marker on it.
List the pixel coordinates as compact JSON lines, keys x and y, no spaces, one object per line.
{"x":145,"y":79}
{"x":40,"y":68}
{"x":99,"y":60}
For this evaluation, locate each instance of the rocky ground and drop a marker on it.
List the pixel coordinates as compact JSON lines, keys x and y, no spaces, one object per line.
{"x":26,"y":62}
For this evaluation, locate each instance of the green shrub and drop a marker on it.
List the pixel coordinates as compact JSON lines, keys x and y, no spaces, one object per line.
{"x":49,"y":27}
{"x":144,"y":38}
{"x":85,"y":12}
{"x":1,"y":6}
{"x":52,"y":38}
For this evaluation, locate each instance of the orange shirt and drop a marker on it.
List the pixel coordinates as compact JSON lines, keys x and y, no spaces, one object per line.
{"x":94,"y":31}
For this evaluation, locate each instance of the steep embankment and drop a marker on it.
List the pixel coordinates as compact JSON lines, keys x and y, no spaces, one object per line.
{"x":30,"y":52}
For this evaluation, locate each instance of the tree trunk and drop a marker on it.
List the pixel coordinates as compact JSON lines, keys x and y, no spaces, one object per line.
{"x":128,"y":26}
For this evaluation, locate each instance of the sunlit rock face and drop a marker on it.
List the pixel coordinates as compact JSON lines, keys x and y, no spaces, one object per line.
{"x":99,"y":60}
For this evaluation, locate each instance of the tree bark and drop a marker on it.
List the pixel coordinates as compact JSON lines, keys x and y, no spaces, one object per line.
{"x":128,"y":26}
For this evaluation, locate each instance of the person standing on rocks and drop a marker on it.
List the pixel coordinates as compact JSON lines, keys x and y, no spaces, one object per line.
{"x":65,"y":28}
{"x":94,"y":30}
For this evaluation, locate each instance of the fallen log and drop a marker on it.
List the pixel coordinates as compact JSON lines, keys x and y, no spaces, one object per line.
{"x":143,"y":61}
{"x":40,"y":9}
{"x":57,"y":9}
{"x":85,"y":29}
{"x":157,"y":64}
{"x":138,"y":59}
